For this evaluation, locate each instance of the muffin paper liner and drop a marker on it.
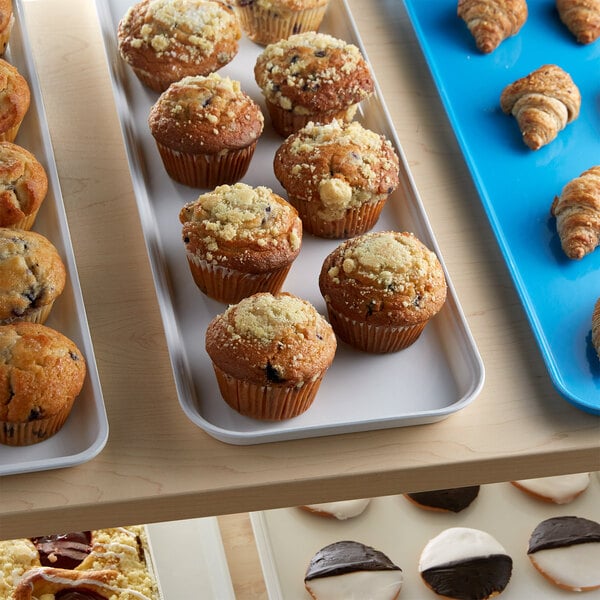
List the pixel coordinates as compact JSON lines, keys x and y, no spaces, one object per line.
{"x":355,"y":221}
{"x":206,"y":170}
{"x":264,"y":26}
{"x":40,"y":315}
{"x":230,"y":285}
{"x":376,"y":339}
{"x":264,"y":402}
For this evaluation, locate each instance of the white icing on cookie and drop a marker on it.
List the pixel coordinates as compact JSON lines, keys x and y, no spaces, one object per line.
{"x":375,"y":585}
{"x":458,"y":544}
{"x":561,"y":489}
{"x":342,"y":510}
{"x":576,"y":567}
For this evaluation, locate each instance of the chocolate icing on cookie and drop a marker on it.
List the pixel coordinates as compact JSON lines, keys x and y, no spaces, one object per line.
{"x":559,"y":532}
{"x":344,"y":557}
{"x":63,"y":551}
{"x":451,"y":499}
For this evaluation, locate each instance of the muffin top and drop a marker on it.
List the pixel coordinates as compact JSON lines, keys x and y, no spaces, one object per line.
{"x":6,"y":14}
{"x":14,"y":96}
{"x":205,"y":115}
{"x":251,"y":229}
{"x":23,"y":184}
{"x":32,"y":274}
{"x":271,"y":339}
{"x":338,"y":165}
{"x":386,"y":278}
{"x":311,"y":72}
{"x":180,"y":37}
{"x":41,"y":371}
{"x":293,"y":5}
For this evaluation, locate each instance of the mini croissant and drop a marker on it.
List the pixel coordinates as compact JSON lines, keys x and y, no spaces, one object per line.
{"x":577,"y":212}
{"x":492,"y":21}
{"x":596,"y":327}
{"x":543,"y":103}
{"x":582,"y":17}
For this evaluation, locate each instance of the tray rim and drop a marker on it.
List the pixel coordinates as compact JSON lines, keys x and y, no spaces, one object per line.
{"x":37,"y":104}
{"x":171,"y":327}
{"x":528,"y":305}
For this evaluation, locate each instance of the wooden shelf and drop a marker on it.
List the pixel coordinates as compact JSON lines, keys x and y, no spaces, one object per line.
{"x":157,"y":465}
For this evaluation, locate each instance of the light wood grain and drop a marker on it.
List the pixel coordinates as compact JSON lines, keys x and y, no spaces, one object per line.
{"x":157,"y":465}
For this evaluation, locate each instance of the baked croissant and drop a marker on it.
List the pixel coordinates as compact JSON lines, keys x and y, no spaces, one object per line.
{"x":582,"y":17}
{"x":577,"y":212}
{"x":596,"y":327}
{"x":48,"y":580}
{"x":492,"y":21}
{"x":543,"y":103}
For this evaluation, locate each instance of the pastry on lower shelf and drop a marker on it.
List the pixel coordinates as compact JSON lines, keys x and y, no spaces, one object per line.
{"x":110,"y":563}
{"x":463,"y":563}
{"x":447,"y":500}
{"x":543,"y":103}
{"x":577,"y":212}
{"x":492,"y":21}
{"x":349,"y":569}
{"x":560,"y":489}
{"x":341,"y":510}
{"x":566,"y":550}
{"x":582,"y":18}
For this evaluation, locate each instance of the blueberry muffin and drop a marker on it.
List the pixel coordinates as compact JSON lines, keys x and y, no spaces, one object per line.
{"x":15,"y":98}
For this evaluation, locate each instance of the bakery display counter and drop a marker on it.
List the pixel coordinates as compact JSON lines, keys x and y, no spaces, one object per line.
{"x":157,"y":465}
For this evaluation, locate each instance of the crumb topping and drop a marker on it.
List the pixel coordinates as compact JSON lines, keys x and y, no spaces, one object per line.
{"x":275,"y":5}
{"x":265,"y":318}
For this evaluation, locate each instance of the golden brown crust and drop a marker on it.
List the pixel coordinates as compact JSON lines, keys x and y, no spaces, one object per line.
{"x":312,"y":73}
{"x":577,"y":212}
{"x":32,"y":274}
{"x":205,"y":115}
{"x":596,"y":327}
{"x":384,"y":278}
{"x":23,"y":184}
{"x":582,"y":18}
{"x":6,"y":23}
{"x":15,"y":97}
{"x":276,"y":5}
{"x":250,"y":229}
{"x":166,"y":40}
{"x":492,"y":21}
{"x":41,"y":371}
{"x":543,"y":103}
{"x":271,"y":340}
{"x":47,"y":580}
{"x":337,"y":166}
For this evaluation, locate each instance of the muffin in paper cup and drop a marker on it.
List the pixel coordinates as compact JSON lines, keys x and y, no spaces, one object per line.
{"x":338,"y":175}
{"x":270,"y":353}
{"x":381,"y":289}
{"x":206,"y":130}
{"x":268,"y":21}
{"x":240,"y":240}
{"x":16,"y":97}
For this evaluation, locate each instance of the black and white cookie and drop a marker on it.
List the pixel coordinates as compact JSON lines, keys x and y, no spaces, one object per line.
{"x":349,"y":569}
{"x":448,"y":500}
{"x":341,"y":510}
{"x":566,"y":550}
{"x":465,"y":563}
{"x":560,"y":489}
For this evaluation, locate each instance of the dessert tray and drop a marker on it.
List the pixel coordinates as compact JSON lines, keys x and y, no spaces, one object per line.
{"x":85,"y":433}
{"x":517,"y":185}
{"x":287,"y":538}
{"x":441,"y":374}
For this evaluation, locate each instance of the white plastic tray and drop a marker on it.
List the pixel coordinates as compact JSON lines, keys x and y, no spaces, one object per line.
{"x":436,"y":377}
{"x":287,"y":538}
{"x":189,"y":559}
{"x":86,"y":430}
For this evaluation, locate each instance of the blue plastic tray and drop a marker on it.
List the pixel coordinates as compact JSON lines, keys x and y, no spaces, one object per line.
{"x":517,"y":185}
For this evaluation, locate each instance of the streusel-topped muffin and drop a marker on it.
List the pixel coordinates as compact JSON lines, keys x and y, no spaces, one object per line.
{"x":381,"y":289}
{"x":32,"y":276}
{"x":15,"y":98}
{"x":270,"y":353}
{"x":338,"y":175}
{"x":165,"y":40}
{"x":23,"y":186}
{"x":240,"y":240}
{"x":206,"y":130}
{"x":312,"y":77}
{"x":268,"y":21}
{"x":7,"y":20}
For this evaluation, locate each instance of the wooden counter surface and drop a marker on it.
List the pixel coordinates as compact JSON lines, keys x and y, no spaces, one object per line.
{"x":157,"y":465}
